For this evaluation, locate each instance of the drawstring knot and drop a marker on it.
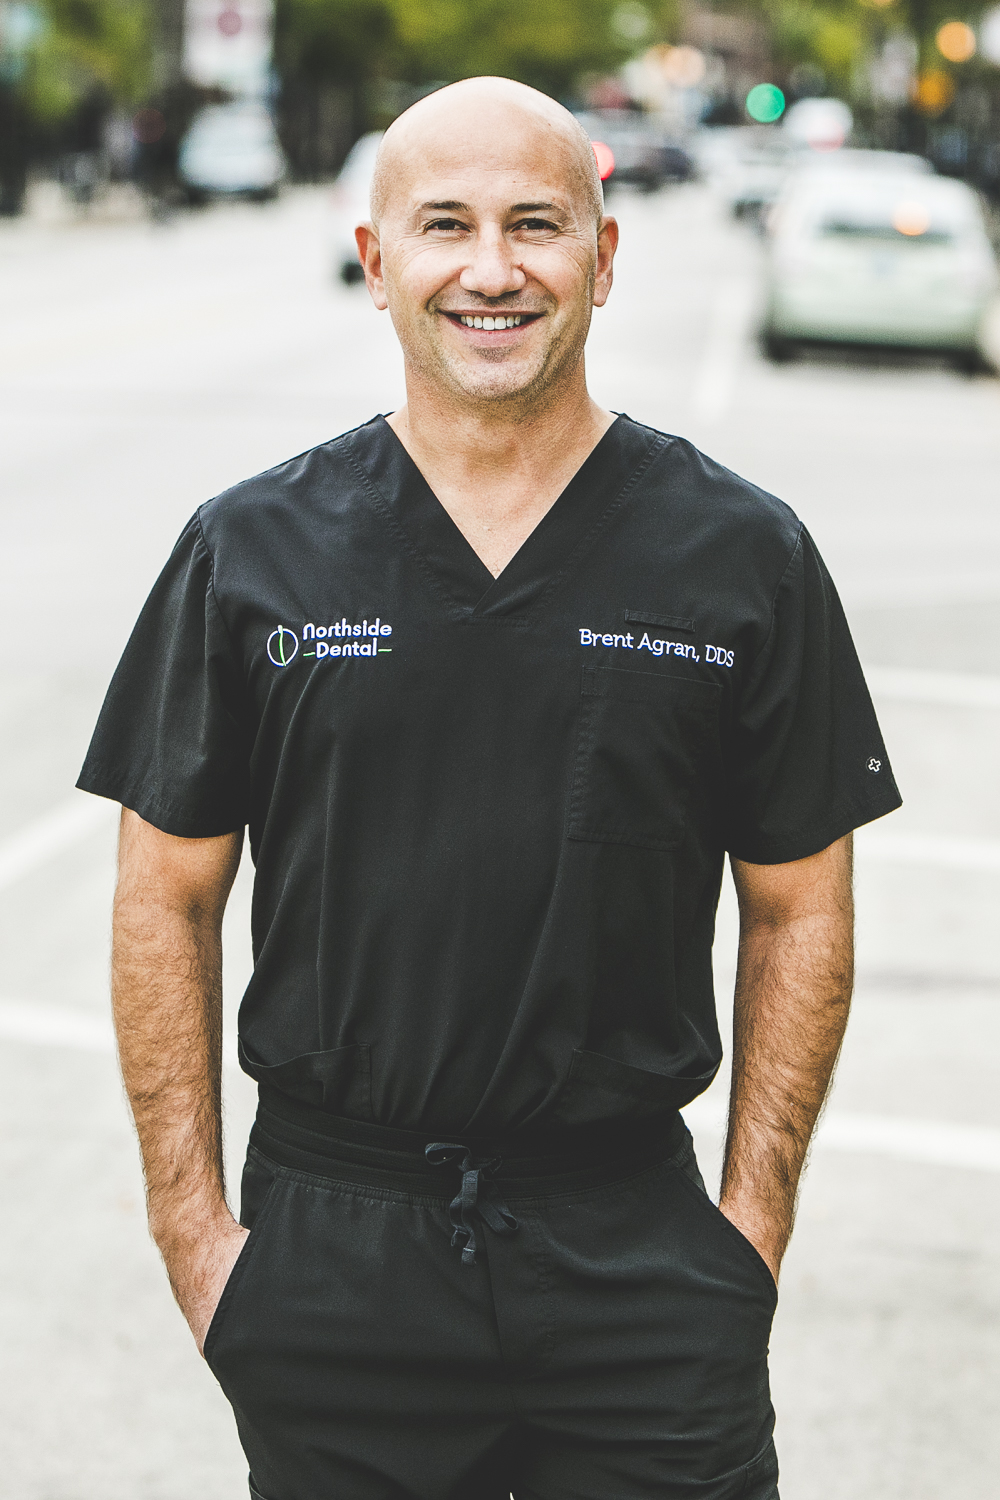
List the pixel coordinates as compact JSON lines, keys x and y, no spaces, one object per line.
{"x":476,"y":1196}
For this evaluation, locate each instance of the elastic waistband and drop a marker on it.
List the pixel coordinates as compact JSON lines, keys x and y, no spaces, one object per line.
{"x":306,"y":1139}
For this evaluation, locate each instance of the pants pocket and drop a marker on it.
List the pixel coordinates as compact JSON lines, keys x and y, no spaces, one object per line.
{"x":259,"y":1185}
{"x":739,"y":1242}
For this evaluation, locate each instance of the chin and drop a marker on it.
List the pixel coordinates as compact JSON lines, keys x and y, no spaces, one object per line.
{"x":493,"y":379}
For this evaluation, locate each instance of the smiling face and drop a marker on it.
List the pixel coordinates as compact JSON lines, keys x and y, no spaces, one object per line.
{"x":489,"y":247}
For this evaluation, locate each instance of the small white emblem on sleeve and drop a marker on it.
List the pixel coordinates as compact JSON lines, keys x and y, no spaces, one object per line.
{"x":874,"y":765}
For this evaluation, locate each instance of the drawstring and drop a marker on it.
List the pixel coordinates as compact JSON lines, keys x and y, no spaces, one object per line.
{"x":467,"y":1202}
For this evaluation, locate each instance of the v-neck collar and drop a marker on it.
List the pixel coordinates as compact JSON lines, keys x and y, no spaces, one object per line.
{"x":564,"y":534}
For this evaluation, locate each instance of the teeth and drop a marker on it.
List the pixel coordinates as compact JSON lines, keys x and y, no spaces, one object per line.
{"x":488,"y":323}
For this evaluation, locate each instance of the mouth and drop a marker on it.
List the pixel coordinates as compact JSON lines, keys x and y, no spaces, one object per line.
{"x":492,"y":322}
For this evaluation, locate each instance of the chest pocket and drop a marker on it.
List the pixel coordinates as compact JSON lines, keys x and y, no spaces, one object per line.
{"x":646,"y":742}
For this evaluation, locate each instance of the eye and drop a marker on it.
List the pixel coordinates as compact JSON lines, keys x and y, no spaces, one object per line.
{"x":536,"y":226}
{"x":445,"y":226}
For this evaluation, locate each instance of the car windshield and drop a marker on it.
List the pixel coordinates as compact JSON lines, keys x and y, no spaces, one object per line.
{"x":909,"y":210}
{"x":914,"y":229}
{"x":227,"y":130}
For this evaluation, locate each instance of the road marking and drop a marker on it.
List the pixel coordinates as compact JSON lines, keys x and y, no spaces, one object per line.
{"x":60,"y":1026}
{"x":914,"y":685}
{"x":55,"y":1026}
{"x":928,"y":590}
{"x":715,"y":381}
{"x":930,"y":1142}
{"x":939,"y":1143}
{"x":65,"y":825}
{"x":877,"y":848}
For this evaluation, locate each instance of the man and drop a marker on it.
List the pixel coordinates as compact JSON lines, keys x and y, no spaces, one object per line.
{"x":495,"y":683}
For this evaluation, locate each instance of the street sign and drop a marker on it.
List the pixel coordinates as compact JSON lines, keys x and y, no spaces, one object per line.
{"x":227,"y":44}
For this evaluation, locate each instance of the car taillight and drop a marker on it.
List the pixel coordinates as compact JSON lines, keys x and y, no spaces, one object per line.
{"x":605,"y":159}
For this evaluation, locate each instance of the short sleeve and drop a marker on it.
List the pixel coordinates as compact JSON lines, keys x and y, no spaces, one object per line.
{"x":171,"y":742}
{"x":807,"y":763}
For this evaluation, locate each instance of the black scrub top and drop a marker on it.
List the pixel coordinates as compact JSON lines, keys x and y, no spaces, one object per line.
{"x":488,"y":816}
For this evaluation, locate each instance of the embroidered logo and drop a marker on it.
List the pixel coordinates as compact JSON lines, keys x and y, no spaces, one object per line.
{"x":347,"y":638}
{"x":282,"y":646}
{"x":874,"y":765}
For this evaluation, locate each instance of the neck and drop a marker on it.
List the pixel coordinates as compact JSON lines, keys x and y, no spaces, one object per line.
{"x":486,"y":439}
{"x":498,"y":467}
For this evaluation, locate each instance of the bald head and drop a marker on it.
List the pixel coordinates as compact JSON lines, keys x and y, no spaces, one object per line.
{"x":484,"y":121}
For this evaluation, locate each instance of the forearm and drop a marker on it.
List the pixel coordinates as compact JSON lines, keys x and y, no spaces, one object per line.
{"x":166,"y":970}
{"x":793,"y":994}
{"x":167,"y":997}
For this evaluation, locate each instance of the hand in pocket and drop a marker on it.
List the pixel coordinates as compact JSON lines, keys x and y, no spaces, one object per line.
{"x":199,"y":1267}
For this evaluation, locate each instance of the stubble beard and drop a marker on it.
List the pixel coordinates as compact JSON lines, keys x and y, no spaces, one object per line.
{"x":495,"y":379}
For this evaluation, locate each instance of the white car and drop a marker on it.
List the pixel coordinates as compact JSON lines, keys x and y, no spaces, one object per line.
{"x":232,"y":149}
{"x":870,"y":254}
{"x":350,"y":205}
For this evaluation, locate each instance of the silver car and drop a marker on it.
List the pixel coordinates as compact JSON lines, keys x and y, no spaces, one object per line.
{"x":868,"y":253}
{"x":232,"y":150}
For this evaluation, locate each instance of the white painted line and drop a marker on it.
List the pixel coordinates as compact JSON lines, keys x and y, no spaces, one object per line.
{"x":65,"y":825}
{"x":937,"y":1142}
{"x":929,"y":1142}
{"x":715,"y":381}
{"x":61,"y":1026}
{"x":929,"y":590}
{"x":873,"y":847}
{"x":954,"y":689}
{"x":55,"y":1026}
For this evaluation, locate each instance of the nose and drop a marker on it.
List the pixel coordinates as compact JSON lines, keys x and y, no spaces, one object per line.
{"x":492,"y":271}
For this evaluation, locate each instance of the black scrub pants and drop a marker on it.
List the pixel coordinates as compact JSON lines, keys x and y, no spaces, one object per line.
{"x":414,"y":1324}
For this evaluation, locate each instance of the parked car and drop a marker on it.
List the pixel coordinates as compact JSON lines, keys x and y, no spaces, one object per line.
{"x":350,"y":205}
{"x":645,"y":154}
{"x":232,"y":150}
{"x":874,"y":254}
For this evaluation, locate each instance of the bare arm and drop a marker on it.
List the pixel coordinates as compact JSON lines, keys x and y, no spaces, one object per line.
{"x":167,"y":998}
{"x":793,"y":994}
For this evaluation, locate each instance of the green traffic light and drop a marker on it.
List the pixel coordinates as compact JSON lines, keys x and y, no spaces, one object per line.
{"x":765,"y":103}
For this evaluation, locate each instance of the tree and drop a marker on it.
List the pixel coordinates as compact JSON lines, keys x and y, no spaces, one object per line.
{"x":547,"y":43}
{"x":87,"y":48}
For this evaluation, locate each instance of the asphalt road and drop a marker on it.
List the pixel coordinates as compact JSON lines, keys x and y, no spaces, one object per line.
{"x":143,"y":369}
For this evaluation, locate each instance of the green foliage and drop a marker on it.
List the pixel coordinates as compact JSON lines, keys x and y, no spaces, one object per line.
{"x":837,"y":34}
{"x":831,"y":34}
{"x":87,"y":47}
{"x":547,"y":43}
{"x":332,"y":41}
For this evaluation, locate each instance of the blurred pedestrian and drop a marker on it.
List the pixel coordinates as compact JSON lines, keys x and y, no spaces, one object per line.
{"x":475,"y":1252}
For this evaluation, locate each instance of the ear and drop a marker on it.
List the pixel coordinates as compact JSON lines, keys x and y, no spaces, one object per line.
{"x":370,"y":256}
{"x":607,"y":244}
